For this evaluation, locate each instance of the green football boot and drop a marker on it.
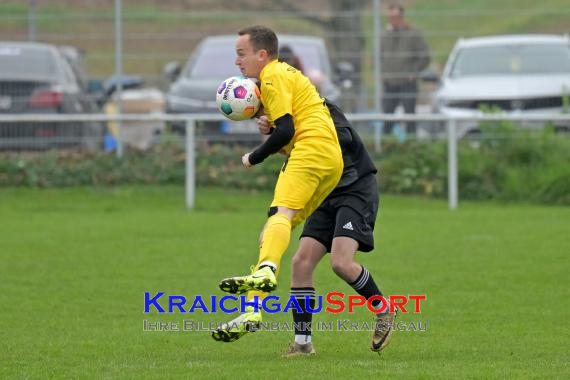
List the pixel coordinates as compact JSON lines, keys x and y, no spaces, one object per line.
{"x":262,"y":280}
{"x":238,"y":327}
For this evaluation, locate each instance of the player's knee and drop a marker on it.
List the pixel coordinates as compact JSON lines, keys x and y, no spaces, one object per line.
{"x":338,"y":269}
{"x":300,"y":262}
{"x":296,"y":263}
{"x":340,"y":265}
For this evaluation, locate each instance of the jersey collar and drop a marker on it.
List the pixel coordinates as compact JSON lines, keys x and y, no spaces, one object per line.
{"x":266,"y":66}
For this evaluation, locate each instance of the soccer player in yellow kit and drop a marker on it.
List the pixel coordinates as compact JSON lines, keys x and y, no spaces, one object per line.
{"x":304,"y":131}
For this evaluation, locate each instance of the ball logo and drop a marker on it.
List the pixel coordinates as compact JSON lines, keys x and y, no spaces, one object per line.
{"x":240,"y":92}
{"x":228,"y":87}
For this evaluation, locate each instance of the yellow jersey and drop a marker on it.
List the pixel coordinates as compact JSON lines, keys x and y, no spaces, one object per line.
{"x":285,"y":90}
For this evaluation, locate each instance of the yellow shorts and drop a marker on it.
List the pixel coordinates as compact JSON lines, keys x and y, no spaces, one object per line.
{"x":310,"y":174}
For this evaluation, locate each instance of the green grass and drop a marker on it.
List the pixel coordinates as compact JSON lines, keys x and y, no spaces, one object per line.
{"x":75,"y":263}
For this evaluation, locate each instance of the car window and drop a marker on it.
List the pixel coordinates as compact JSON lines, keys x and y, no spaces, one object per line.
{"x":20,"y":62}
{"x":308,"y":55}
{"x":68,"y":72}
{"x":216,"y":60}
{"x":76,"y":63}
{"x":512,"y":59}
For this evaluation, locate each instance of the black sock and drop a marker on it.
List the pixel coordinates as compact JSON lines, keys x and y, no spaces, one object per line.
{"x":366,"y":287}
{"x":302,"y":321}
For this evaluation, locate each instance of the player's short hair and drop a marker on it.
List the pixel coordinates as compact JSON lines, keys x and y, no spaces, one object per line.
{"x":262,"y":37}
{"x":397,"y":5}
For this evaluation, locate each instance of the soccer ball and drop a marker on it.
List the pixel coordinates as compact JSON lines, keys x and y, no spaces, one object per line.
{"x":238,"y":98}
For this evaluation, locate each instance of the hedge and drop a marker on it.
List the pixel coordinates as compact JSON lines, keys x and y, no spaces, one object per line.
{"x":510,"y":167}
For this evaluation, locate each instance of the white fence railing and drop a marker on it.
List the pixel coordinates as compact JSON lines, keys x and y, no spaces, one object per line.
{"x":191,"y":119}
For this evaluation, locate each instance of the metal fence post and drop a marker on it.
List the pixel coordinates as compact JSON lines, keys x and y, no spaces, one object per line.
{"x":377,"y":136}
{"x":119,"y":72}
{"x":452,"y":163}
{"x":190,"y":163}
{"x":377,"y":10}
{"x":32,"y":20}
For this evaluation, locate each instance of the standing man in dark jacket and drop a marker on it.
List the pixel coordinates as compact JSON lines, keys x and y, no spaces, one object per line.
{"x":404,"y":55}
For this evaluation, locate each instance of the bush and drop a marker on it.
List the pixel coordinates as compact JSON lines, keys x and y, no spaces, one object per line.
{"x":413,"y":168}
{"x":506,"y":164}
{"x":164,"y":164}
{"x":509,"y":167}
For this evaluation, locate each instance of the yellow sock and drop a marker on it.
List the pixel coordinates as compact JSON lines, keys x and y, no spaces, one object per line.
{"x":275,"y":240}
{"x":253,"y":293}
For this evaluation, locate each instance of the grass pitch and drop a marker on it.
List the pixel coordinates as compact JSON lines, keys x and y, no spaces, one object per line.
{"x":75,"y":263}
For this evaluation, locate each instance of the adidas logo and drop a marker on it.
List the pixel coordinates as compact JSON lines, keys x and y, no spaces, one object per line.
{"x":348,"y":226}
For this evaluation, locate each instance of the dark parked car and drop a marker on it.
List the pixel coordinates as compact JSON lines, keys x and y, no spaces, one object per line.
{"x":41,"y":78}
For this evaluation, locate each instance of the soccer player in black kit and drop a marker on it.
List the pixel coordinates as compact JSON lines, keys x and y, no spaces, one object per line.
{"x":342,"y":225}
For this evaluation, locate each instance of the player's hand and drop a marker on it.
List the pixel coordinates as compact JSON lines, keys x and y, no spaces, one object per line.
{"x":263,"y":125}
{"x":245,"y":160}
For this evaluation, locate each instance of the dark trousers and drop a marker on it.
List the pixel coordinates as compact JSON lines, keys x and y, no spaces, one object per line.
{"x":407,"y":95}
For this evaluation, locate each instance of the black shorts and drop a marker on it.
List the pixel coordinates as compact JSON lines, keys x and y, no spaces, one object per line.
{"x":351,"y":213}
